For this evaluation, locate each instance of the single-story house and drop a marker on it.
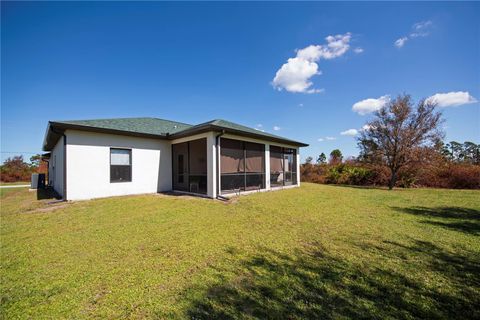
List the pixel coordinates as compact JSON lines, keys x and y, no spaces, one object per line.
{"x":113,"y":157}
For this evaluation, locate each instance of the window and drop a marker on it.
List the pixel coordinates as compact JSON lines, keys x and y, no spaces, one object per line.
{"x":283,"y":166}
{"x":120,"y":165}
{"x":242,"y":165}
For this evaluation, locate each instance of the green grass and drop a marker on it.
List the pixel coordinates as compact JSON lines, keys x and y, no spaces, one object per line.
{"x":311,"y":252}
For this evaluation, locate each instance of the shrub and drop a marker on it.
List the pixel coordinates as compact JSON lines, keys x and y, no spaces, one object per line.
{"x":333,"y":175}
{"x":436,"y":174}
{"x":463,"y":176}
{"x":357,"y":175}
{"x":347,"y":174}
{"x":15,"y":169}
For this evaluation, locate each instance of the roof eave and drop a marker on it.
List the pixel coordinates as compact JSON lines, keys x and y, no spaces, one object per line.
{"x":56,"y":129}
{"x":60,"y":127}
{"x":212,"y":127}
{"x":50,"y":138}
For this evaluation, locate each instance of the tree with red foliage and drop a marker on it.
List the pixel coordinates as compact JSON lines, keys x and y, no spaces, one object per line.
{"x":16,"y":169}
{"x":399,"y":134}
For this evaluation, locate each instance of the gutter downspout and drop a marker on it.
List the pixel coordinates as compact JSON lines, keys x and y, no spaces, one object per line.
{"x":217,"y":162}
{"x":64,"y":162}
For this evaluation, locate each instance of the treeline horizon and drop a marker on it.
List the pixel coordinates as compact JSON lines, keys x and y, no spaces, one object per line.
{"x":448,"y":165}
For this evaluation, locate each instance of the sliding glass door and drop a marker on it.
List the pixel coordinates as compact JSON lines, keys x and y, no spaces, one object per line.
{"x":242,"y":166}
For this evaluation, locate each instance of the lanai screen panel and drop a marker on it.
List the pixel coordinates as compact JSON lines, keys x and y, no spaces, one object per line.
{"x":180,"y":166}
{"x":254,"y":166}
{"x":290,"y":159}
{"x":283,"y":166}
{"x":190,"y":166}
{"x":242,"y":165}
{"x":232,"y":164}
{"x":198,"y":166}
{"x":276,"y":166}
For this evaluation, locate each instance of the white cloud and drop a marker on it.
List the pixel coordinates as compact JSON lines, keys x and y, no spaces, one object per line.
{"x":259,"y":127}
{"x":401,"y":42}
{"x":422,"y":25}
{"x":349,"y":132}
{"x":452,"y":99}
{"x":326,"y":139}
{"x":276,"y":128}
{"x":370,"y":105}
{"x":300,"y":104}
{"x":419,"y":30}
{"x":419,"y":34}
{"x":295,"y":75}
{"x":358,"y":50}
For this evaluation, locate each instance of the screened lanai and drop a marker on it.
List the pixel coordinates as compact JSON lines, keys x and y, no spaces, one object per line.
{"x":242,"y":166}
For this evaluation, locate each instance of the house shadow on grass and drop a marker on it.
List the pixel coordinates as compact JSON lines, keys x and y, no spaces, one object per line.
{"x":47,"y":193}
{"x":454,"y":218}
{"x":314,"y":284}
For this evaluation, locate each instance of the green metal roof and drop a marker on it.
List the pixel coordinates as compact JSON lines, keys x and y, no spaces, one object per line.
{"x":231,"y":127}
{"x":153,"y":127}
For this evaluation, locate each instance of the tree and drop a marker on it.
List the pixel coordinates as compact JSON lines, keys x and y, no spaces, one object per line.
{"x":35,"y":160}
{"x":399,"y":133}
{"x":471,"y":152}
{"x":336,"y":156}
{"x":15,"y":169}
{"x":309,"y":160}
{"x":457,"y":151}
{"x":322,"y":158}
{"x":445,"y":151}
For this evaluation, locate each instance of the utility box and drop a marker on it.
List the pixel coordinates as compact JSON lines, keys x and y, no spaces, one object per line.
{"x":34,"y":181}
{"x":37,"y":181}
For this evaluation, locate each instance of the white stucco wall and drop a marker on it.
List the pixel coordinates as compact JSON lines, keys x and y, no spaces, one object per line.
{"x":55,"y":167}
{"x":88,"y":165}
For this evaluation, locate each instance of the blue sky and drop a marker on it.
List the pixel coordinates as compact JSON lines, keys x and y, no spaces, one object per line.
{"x":194,"y":62}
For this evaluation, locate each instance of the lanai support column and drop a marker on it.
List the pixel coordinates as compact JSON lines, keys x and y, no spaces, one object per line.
{"x":267,"y":166}
{"x":298,"y":165}
{"x":211,"y":166}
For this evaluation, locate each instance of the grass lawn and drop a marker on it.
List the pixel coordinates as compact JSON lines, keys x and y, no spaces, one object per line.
{"x":311,"y":252}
